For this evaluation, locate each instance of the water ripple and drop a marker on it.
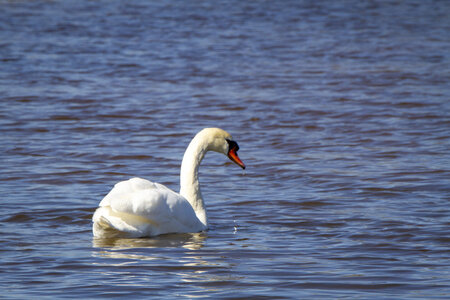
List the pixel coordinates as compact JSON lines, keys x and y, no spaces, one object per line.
{"x":340,"y":110}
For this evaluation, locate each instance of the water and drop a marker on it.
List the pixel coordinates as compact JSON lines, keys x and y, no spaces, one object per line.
{"x":341,"y":110}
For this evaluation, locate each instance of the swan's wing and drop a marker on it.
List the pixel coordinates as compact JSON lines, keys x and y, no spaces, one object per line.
{"x":126,"y":187}
{"x":150,"y":207}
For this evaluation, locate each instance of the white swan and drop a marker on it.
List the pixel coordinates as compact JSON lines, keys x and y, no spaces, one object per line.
{"x":141,"y":208}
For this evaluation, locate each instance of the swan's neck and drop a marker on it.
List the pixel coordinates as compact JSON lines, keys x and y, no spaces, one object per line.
{"x":189,"y":184}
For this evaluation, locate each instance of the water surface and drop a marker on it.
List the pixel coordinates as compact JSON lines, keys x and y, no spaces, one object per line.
{"x":341,"y":110}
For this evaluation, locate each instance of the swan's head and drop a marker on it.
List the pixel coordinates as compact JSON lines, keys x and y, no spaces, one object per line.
{"x":221,"y":141}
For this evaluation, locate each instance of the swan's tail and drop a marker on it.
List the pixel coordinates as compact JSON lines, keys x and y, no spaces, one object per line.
{"x":102,"y":228}
{"x":110,"y":224}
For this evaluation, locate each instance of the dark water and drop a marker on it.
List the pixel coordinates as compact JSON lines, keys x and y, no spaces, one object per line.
{"x":341,"y":110}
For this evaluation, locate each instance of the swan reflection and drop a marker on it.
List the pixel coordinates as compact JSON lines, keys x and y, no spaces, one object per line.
{"x":190,"y":241}
{"x":164,"y":255}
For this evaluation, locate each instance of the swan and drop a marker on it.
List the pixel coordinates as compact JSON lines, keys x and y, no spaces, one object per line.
{"x":140,"y":208}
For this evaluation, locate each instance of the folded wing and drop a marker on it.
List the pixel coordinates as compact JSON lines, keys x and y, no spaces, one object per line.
{"x":139,"y":207}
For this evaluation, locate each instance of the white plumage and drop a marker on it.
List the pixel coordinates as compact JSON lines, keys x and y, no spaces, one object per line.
{"x":138,"y":207}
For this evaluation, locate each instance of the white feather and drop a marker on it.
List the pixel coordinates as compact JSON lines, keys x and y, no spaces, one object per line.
{"x":138,"y":207}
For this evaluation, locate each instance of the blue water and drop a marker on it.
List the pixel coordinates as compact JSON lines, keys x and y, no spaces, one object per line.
{"x":341,"y":110}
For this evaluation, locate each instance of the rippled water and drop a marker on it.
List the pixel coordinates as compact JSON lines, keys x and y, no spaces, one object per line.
{"x":341,"y":110}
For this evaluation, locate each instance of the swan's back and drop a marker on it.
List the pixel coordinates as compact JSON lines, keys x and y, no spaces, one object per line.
{"x":139,"y":207}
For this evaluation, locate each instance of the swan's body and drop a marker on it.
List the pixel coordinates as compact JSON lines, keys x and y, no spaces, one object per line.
{"x":140,"y":208}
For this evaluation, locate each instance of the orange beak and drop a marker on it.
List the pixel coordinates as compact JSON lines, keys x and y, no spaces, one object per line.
{"x":232,"y":154}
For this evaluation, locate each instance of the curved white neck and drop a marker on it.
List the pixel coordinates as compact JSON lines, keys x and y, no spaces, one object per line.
{"x":189,"y":184}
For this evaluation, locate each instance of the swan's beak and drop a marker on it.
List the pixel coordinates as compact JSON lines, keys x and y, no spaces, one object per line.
{"x":232,"y":154}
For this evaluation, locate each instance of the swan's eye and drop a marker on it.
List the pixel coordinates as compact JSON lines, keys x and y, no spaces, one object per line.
{"x":232,"y":145}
